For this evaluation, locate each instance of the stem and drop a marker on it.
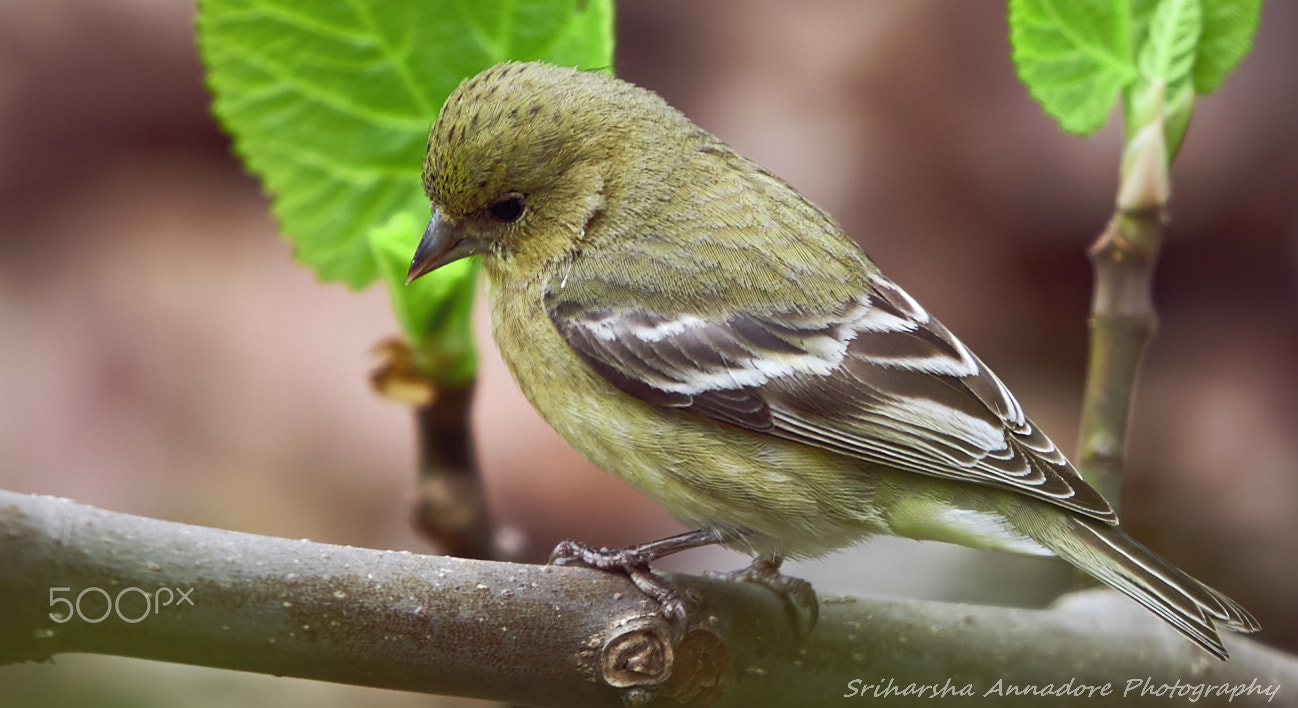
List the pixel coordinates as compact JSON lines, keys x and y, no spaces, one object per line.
{"x":1122,"y":322}
{"x":451,"y":507}
{"x":1122,"y":317}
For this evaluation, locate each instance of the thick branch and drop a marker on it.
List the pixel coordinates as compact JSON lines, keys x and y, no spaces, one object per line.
{"x":548,"y":636}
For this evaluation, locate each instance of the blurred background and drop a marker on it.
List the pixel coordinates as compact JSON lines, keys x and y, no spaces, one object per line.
{"x":162,"y":355}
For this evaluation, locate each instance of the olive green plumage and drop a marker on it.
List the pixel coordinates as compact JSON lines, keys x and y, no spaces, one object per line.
{"x":689,"y":322}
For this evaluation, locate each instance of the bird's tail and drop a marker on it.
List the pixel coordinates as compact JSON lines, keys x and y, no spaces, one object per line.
{"x":1111,"y":556}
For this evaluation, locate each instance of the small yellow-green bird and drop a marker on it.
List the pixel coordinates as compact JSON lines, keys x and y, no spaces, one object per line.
{"x":689,"y":322}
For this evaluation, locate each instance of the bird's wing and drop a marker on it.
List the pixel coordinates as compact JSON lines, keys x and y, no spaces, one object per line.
{"x":875,"y":378}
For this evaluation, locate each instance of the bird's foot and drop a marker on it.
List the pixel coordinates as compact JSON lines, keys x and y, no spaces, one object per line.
{"x":798,"y":593}
{"x":634,"y":562}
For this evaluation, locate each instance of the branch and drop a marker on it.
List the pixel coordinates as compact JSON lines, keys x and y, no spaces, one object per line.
{"x":1122,"y":323}
{"x":550,"y":636}
{"x":450,"y":507}
{"x":1122,"y":319}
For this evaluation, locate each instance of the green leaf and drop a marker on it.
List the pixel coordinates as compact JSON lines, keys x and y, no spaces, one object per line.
{"x":329,"y":102}
{"x":1227,"y":37}
{"x":1168,"y":53}
{"x":1164,"y":91}
{"x":1074,"y":56}
{"x":434,"y":311}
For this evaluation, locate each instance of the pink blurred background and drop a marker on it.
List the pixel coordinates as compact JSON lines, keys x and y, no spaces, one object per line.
{"x":161,"y":354}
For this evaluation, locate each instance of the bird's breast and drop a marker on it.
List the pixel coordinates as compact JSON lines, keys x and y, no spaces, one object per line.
{"x":783,"y":497}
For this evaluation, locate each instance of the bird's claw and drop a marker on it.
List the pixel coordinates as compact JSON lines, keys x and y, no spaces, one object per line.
{"x":798,"y":593}
{"x":634,"y":563}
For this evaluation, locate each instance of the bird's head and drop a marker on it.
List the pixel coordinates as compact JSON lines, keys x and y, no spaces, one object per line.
{"x":524,"y":156}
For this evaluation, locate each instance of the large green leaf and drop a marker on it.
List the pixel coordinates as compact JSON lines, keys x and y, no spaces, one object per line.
{"x":329,"y":101}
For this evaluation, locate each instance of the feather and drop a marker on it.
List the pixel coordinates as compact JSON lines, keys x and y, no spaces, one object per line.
{"x":876,"y":379}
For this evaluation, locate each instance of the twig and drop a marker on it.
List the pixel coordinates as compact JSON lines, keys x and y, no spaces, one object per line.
{"x":450,"y":507}
{"x":1122,"y":319}
{"x":1122,"y":322}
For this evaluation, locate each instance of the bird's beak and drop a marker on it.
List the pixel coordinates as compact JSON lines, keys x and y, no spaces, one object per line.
{"x":442,"y":243}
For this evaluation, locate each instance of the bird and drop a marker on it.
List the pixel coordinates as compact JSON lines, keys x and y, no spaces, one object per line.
{"x":689,"y":322}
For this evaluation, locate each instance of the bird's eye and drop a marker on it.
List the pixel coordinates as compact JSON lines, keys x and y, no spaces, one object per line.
{"x":508,"y":209}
